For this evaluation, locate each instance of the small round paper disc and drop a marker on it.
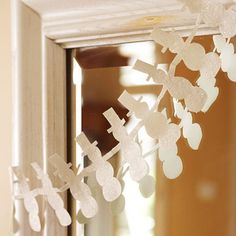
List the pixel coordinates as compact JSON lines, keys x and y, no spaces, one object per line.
{"x":81,"y":218}
{"x":147,"y":186}
{"x":173,"y":167}
{"x":118,"y":205}
{"x":111,"y":190}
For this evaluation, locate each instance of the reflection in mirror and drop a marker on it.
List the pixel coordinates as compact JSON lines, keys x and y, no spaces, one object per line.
{"x":195,"y":203}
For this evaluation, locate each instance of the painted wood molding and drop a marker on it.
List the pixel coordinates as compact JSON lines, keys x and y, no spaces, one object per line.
{"x":39,"y":108}
{"x":103,"y":23}
{"x":27,"y":110}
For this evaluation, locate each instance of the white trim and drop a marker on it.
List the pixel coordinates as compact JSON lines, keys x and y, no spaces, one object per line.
{"x":15,"y":84}
{"x":121,"y":22}
{"x":125,"y":37}
{"x":27,"y":144}
{"x":38,"y":108}
{"x":54,"y":120}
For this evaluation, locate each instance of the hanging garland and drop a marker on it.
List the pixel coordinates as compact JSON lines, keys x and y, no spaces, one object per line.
{"x":187,"y":99}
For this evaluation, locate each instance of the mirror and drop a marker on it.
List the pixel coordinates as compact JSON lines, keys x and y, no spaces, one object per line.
{"x":199,"y":202}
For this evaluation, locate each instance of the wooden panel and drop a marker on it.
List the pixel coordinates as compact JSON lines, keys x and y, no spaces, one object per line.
{"x":28,"y":143}
{"x":39,"y":108}
{"x":54,"y":113}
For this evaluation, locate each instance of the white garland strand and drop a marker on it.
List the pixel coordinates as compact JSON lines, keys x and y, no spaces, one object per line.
{"x":187,"y":98}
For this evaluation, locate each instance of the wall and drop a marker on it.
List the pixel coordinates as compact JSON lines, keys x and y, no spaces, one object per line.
{"x":202,"y":200}
{"x":5,"y":117}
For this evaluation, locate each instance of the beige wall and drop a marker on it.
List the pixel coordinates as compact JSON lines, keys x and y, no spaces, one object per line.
{"x":201,"y":202}
{"x":5,"y":117}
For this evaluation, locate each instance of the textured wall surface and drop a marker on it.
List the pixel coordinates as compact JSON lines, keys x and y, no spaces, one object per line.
{"x":5,"y":117}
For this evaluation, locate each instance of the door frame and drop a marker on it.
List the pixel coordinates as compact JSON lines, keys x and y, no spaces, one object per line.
{"x":39,"y":111}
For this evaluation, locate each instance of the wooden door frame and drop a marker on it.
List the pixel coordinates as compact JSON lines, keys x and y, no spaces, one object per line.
{"x":39,"y":98}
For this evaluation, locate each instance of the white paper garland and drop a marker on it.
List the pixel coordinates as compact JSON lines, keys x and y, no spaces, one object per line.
{"x":187,"y":99}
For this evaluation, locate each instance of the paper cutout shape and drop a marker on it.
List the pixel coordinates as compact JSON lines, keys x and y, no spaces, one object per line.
{"x":147,"y":186}
{"x":130,"y":150}
{"x":193,"y":54}
{"x":193,"y":6}
{"x":172,"y":136}
{"x":155,"y":123}
{"x":104,"y":171}
{"x":207,"y":79}
{"x":180,"y":88}
{"x":79,"y":190}
{"x":118,"y":205}
{"x":227,"y":56}
{"x":227,"y":24}
{"x":52,"y":196}
{"x":191,"y":131}
{"x":196,"y":99}
{"x":168,"y":138}
{"x":167,"y":152}
{"x":211,"y":66}
{"x":173,"y":167}
{"x":81,"y":218}
{"x":208,"y":85}
{"x":29,"y":199}
{"x":159,"y":75}
{"x":214,"y":14}
{"x":172,"y":163}
{"x":15,"y":223}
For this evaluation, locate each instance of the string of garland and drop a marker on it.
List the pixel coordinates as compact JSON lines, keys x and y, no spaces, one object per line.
{"x":187,"y":99}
